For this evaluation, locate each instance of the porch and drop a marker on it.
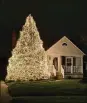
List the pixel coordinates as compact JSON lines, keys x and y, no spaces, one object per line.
{"x":73,"y":72}
{"x":72,"y":69}
{"x":72,"y":66}
{"x":68,"y":65}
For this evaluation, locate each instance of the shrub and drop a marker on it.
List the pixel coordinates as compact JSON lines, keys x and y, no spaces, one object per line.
{"x":69,"y":77}
{"x":59,"y":76}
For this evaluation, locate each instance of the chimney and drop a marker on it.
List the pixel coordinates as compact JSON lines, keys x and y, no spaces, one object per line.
{"x":13,"y":39}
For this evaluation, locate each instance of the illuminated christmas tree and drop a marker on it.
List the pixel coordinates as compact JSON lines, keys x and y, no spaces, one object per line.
{"x":28,"y":61}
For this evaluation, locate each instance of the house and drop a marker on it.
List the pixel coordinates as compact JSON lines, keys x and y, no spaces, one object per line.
{"x":65,"y":57}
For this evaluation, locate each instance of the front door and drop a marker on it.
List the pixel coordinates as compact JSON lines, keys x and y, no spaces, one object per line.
{"x":69,"y":64}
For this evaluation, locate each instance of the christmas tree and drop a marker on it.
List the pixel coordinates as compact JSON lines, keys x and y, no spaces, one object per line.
{"x":28,"y":61}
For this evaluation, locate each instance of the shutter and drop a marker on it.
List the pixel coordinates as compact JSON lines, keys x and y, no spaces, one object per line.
{"x":74,"y":61}
{"x":63,"y":60}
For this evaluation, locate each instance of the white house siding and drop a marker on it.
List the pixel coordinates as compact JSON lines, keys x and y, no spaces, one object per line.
{"x":69,"y":50}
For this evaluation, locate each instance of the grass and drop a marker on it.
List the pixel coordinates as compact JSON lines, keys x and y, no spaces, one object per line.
{"x":48,"y":88}
{"x":65,"y":91}
{"x":50,"y":99}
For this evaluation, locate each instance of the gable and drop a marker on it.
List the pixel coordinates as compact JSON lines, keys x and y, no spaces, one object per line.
{"x":64,"y":47}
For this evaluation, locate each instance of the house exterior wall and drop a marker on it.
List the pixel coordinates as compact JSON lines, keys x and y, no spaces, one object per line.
{"x":69,"y":50}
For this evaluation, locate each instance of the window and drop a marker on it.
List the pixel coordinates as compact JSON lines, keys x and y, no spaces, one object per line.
{"x":64,"y":44}
{"x":68,"y":61}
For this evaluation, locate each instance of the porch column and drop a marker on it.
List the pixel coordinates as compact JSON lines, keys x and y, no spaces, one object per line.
{"x":59,"y":63}
{"x":71,"y":69}
{"x":81,"y":64}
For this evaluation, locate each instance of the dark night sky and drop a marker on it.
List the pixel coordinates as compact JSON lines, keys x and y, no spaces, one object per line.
{"x":54,"y":19}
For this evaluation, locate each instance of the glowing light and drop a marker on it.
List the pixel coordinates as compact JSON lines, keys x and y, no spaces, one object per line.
{"x":28,"y":61}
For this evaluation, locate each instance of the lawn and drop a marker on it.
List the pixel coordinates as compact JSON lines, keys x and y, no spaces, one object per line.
{"x":65,"y":91}
{"x":48,"y":88}
{"x":50,"y":99}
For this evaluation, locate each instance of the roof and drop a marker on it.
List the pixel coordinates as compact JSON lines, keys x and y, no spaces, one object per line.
{"x":64,"y":47}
